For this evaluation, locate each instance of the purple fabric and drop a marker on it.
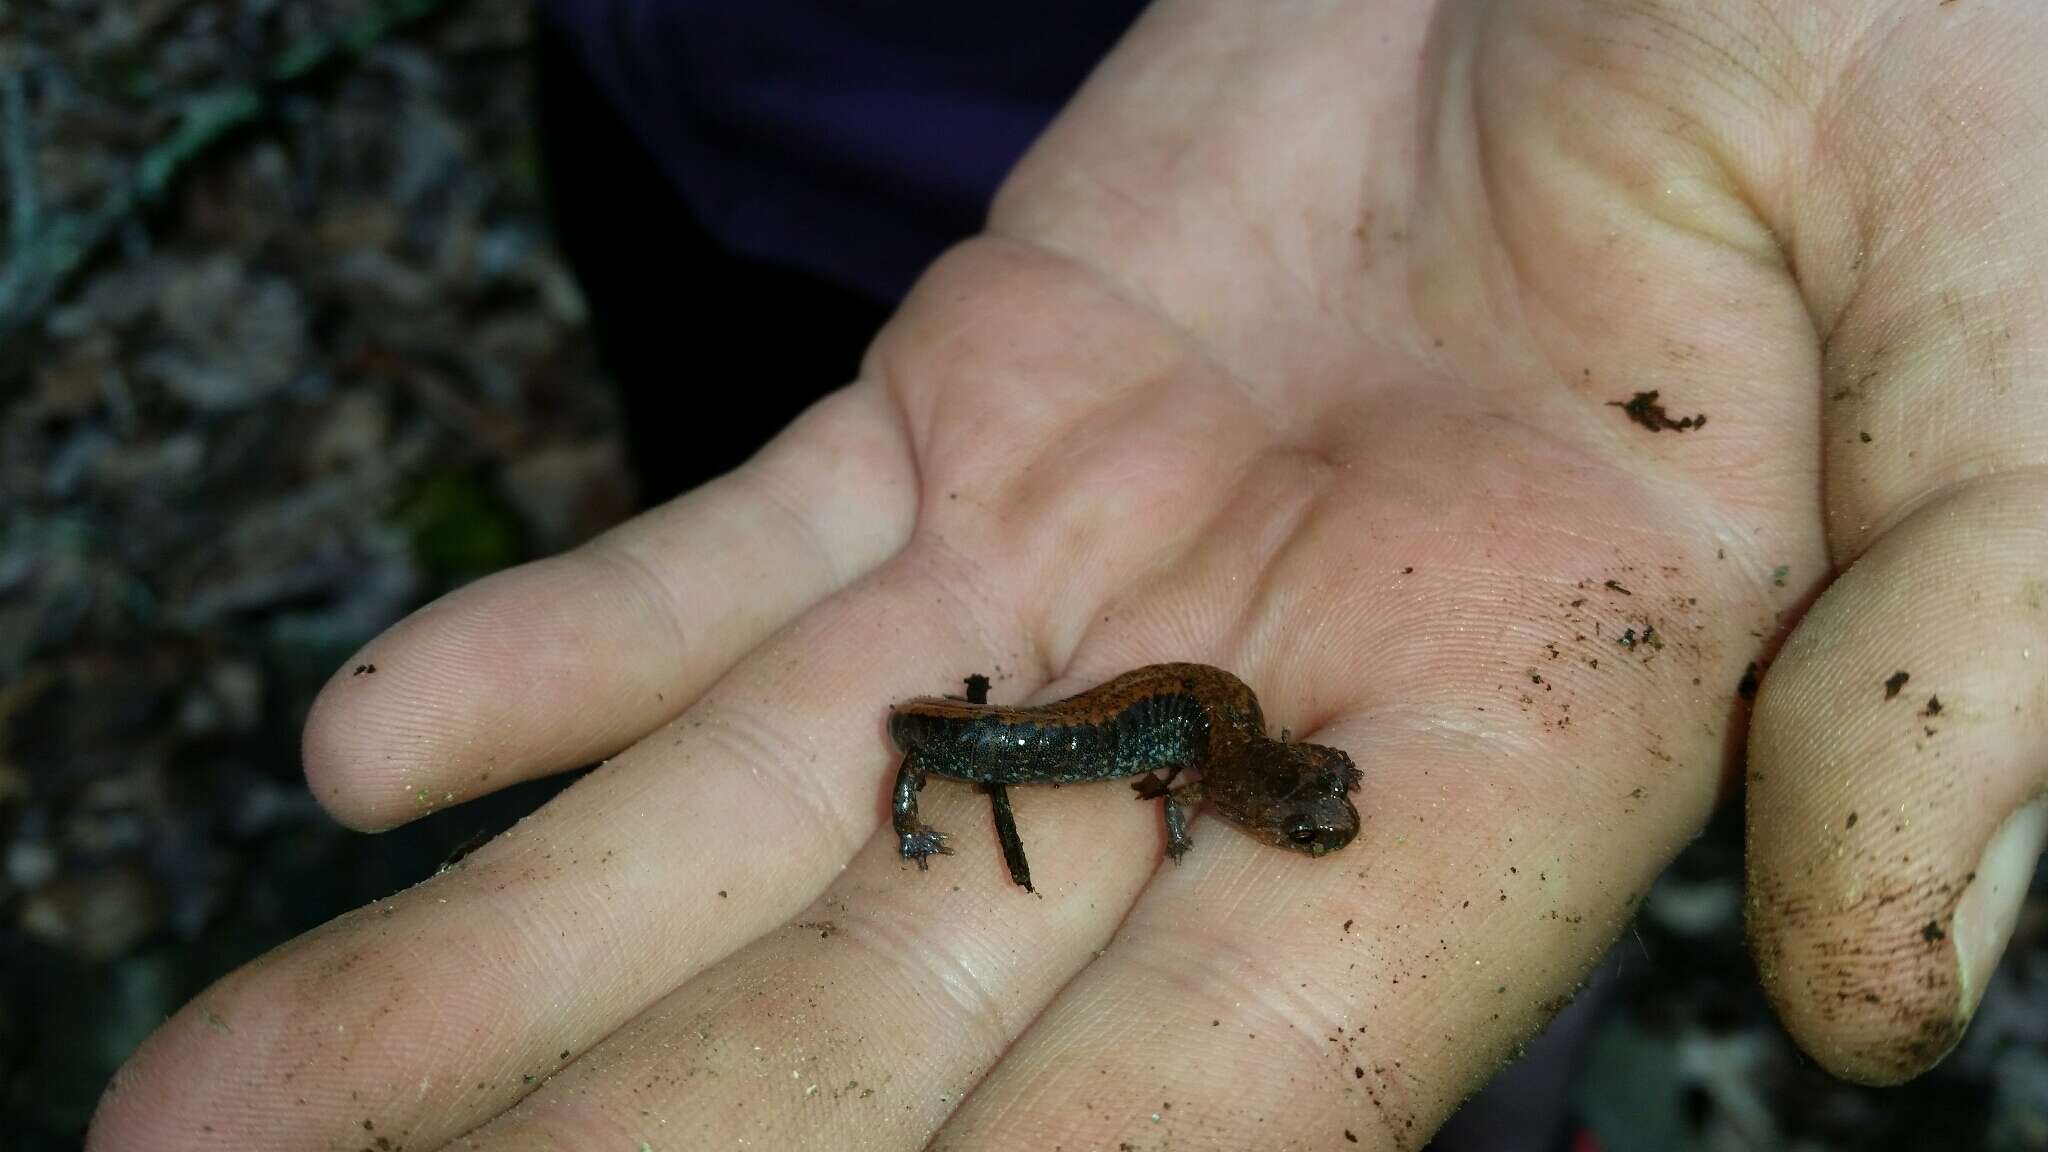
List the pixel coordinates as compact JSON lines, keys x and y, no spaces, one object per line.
{"x":855,"y":139}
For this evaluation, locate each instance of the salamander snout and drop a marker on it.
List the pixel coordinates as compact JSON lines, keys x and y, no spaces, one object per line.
{"x":1318,"y":816}
{"x":1306,"y":832}
{"x":1294,"y":796}
{"x":1317,"y":824}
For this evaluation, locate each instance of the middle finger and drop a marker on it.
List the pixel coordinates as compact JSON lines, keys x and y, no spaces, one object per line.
{"x":864,"y":1021}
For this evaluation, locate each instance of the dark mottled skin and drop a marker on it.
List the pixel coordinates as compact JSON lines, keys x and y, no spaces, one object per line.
{"x":1165,"y":717}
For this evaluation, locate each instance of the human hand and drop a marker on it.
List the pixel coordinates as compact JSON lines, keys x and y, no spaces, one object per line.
{"x":1295,"y":347}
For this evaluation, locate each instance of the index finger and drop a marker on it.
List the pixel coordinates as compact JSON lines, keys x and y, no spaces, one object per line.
{"x":562,"y":662}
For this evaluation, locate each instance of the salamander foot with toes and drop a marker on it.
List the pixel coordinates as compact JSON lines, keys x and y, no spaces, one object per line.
{"x":922,"y":842}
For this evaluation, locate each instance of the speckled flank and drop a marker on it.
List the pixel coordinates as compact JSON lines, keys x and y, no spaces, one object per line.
{"x":1148,"y":720}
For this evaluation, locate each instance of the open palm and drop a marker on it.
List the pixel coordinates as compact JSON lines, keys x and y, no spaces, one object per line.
{"x":1314,"y":342}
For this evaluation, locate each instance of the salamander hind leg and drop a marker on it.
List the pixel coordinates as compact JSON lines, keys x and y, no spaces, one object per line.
{"x":916,"y":840}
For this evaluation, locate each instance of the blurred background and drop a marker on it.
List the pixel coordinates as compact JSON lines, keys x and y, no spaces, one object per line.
{"x":289,"y":346}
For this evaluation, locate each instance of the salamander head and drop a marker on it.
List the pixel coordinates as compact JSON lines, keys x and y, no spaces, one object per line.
{"x":1289,"y":795}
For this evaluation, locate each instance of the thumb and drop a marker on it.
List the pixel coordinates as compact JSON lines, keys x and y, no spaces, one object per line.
{"x":1898,"y":755}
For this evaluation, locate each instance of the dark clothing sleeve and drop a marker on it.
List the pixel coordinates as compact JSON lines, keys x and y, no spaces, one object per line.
{"x":853,"y":139}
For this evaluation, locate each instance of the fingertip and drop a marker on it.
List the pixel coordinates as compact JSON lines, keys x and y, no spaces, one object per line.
{"x":165,"y":1098}
{"x":113,"y":1126}
{"x":1852,"y":889}
{"x":1845,"y":990}
{"x":518,"y":675}
{"x":331,"y":751}
{"x":385,"y":739}
{"x":137,"y":1110}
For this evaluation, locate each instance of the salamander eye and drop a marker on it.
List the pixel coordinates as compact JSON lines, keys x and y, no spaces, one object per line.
{"x":1302,"y":831}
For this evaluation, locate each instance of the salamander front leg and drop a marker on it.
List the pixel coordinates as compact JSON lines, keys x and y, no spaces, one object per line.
{"x":1180,"y":804}
{"x":917,"y":840}
{"x":1150,"y":787}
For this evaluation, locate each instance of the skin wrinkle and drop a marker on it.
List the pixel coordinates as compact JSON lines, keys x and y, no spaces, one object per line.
{"x":737,"y":984}
{"x":864,"y":435}
{"x":805,"y":491}
{"x":1650,"y":600}
{"x":1593,"y":426}
{"x":1131,"y":293}
{"x":773,"y":764}
{"x":1506,"y":785}
{"x":1133,"y":288}
{"x":1181,"y":165}
{"x":566,"y":1124}
{"x":1305,"y":285}
{"x":1502,"y":187}
{"x":1719,"y":160}
{"x":1023,"y":658}
{"x":1114,"y":1021}
{"x":1068,"y":607}
{"x":1841,"y":114}
{"x":878,"y":371}
{"x":1528,"y":349}
{"x":827,"y":1046}
{"x":974,"y":1002}
{"x":772,"y":497}
{"x":1938,"y":492}
{"x":537,"y":942}
{"x":1375,"y":243}
{"x":1524,"y":273}
{"x":1213,"y":963}
{"x":1657,"y":483}
{"x":1264,"y":481}
{"x":645,"y":577}
{"x":1785,"y":47}
{"x":1276,"y":550}
{"x":915,"y":412}
{"x":1731,"y":61}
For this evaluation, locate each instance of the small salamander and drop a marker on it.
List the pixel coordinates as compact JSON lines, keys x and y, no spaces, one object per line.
{"x":1164,"y":717}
